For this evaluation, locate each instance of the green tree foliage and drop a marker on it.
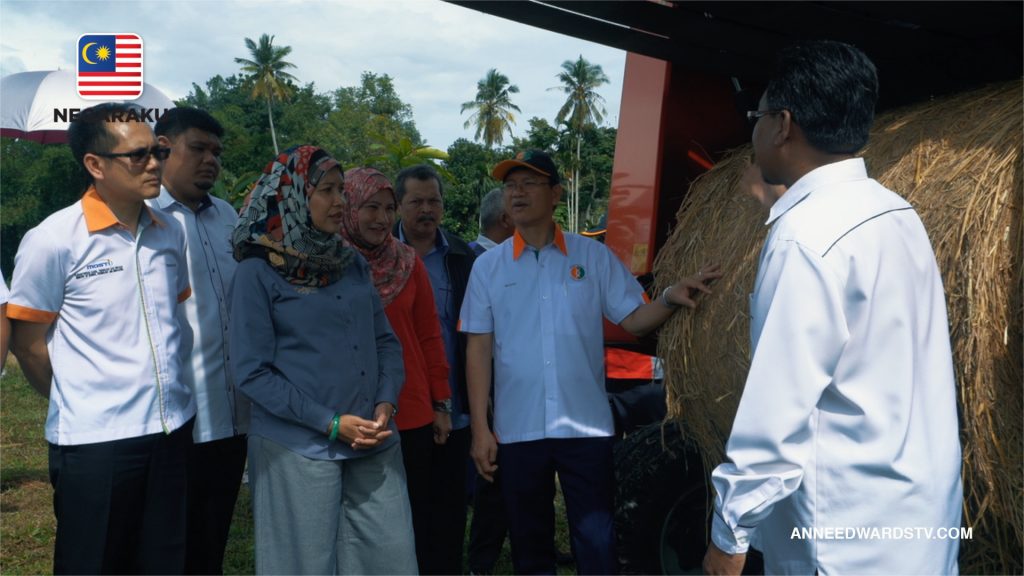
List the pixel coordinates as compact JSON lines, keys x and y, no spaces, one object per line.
{"x":35,"y":181}
{"x":392,"y":157}
{"x":265,"y":72}
{"x":364,"y":125}
{"x":583,"y":108}
{"x":492,"y":108}
{"x":368,"y":120}
{"x":469,"y":167}
{"x":597,"y":150}
{"x":542,"y":136}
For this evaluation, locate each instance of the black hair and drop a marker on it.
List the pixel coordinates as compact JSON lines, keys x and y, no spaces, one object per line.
{"x":831,"y":89}
{"x":177,"y":120}
{"x":88,"y":133}
{"x":419,"y":172}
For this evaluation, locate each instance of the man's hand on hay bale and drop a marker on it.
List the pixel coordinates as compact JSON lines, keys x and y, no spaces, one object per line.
{"x":718,"y":563}
{"x":683,"y":293}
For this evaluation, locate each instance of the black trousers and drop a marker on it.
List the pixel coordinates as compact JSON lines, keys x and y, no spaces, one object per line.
{"x":214,"y":476}
{"x":584,"y":468}
{"x":120,"y":505}
{"x":436,"y":478}
{"x":489,"y":527}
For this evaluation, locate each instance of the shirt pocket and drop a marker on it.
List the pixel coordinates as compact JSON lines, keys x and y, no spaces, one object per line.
{"x":582,"y":297}
{"x":163,"y":268}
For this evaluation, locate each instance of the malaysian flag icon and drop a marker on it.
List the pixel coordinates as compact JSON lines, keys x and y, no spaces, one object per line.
{"x":110,"y":66}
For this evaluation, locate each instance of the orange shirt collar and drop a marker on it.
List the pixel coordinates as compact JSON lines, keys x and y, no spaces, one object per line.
{"x":518,"y":244}
{"x":99,"y":216}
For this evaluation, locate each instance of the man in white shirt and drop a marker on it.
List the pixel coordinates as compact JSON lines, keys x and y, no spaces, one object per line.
{"x":96,"y":303}
{"x":535,"y":305}
{"x":844,"y":456}
{"x":217,"y":456}
{"x":5,"y":324}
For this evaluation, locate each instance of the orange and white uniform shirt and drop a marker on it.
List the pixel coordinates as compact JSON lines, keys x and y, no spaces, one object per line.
{"x":117,"y":333}
{"x":545,"y":309}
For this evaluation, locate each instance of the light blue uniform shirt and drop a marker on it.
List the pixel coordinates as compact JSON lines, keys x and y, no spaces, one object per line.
{"x":220,"y":411}
{"x":545,"y":310}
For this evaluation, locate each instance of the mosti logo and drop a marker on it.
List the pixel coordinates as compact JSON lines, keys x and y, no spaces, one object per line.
{"x":109,"y":66}
{"x":99,"y":268}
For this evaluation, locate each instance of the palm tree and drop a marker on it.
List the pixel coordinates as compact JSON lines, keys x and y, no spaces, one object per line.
{"x":403,"y":153}
{"x":493,"y":108}
{"x":266,"y":72}
{"x":583,"y":108}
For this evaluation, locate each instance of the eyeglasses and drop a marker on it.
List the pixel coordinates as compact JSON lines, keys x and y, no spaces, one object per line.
{"x":139,"y":155}
{"x":754,"y":115}
{"x":525,"y":185}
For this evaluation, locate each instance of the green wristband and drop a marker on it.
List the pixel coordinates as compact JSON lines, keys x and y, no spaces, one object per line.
{"x":335,"y":424}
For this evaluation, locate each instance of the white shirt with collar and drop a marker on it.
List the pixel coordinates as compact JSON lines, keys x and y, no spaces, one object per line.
{"x":116,"y":337}
{"x":485,"y":242}
{"x":848,"y":421}
{"x":221,"y":411}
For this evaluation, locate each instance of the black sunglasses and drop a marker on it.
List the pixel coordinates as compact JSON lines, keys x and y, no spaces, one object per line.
{"x":139,"y":155}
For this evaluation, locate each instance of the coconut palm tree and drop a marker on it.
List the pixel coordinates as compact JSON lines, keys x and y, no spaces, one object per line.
{"x":493,"y":108}
{"x":583,"y":108}
{"x":266,"y":72}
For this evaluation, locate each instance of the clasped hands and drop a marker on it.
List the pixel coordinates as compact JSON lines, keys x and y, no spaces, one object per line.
{"x":363,"y":434}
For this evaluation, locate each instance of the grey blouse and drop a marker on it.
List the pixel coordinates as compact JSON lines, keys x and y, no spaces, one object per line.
{"x":301,"y":354}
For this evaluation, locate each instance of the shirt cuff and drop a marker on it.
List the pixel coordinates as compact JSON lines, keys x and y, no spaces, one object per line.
{"x":728,"y":540}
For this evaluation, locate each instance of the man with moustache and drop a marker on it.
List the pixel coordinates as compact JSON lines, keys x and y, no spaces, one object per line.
{"x":99,"y":330}
{"x":448,"y":260}
{"x":217,"y":454}
{"x":848,"y":417}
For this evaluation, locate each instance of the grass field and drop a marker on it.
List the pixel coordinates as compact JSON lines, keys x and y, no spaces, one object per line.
{"x":27,"y":524}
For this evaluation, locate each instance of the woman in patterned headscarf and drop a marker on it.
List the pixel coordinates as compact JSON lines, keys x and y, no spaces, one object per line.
{"x":312,"y":348}
{"x":404,"y":287}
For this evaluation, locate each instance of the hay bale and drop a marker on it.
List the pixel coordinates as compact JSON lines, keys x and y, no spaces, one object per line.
{"x":958,"y":160}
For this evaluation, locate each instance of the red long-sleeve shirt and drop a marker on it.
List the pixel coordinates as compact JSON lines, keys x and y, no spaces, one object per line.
{"x":413,"y":317}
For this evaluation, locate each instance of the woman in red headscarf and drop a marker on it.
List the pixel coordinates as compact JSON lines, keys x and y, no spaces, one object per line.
{"x":402,"y":281}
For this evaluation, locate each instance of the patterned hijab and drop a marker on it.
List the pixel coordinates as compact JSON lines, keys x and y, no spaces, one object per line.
{"x":391,"y":261}
{"x":276,"y":225}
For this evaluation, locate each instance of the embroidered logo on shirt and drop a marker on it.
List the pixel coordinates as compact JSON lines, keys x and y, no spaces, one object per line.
{"x":577,"y":272}
{"x":98,"y":268}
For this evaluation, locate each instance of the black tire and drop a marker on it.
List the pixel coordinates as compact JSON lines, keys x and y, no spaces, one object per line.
{"x":661,"y":503}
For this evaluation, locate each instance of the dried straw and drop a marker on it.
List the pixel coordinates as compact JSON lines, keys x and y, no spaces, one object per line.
{"x":958,"y":160}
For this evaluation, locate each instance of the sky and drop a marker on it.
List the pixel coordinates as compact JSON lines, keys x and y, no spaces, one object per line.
{"x":435,"y":51}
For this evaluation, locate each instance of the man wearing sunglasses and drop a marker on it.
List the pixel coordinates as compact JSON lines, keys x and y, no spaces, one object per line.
{"x":99,"y":330}
{"x":217,"y":455}
{"x":845,"y":452}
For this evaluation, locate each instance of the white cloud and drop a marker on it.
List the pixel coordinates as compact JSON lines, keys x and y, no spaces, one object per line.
{"x":435,"y":51}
